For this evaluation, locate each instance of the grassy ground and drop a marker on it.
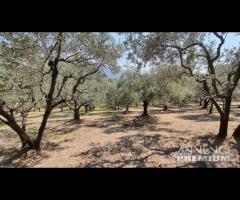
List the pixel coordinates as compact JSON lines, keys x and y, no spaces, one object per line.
{"x":107,"y":138}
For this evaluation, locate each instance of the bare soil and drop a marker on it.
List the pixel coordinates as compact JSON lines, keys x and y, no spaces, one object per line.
{"x":106,"y":138}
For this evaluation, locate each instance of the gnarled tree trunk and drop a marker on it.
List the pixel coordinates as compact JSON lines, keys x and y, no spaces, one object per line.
{"x":62,"y":108}
{"x":211,"y":108}
{"x":225,"y":118}
{"x":76,"y":116}
{"x":205,"y":103}
{"x":165,"y":107}
{"x":127,"y":108}
{"x":86,"y":108}
{"x":76,"y":113}
{"x":42,"y":127}
{"x":145,"y":108}
{"x":236,"y":133}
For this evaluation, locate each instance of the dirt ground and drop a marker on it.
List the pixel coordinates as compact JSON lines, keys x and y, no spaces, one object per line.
{"x":106,"y":138}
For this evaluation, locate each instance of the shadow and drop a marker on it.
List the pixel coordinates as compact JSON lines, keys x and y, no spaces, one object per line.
{"x":237,"y":139}
{"x":128,"y":112}
{"x":25,"y":158}
{"x":202,"y":117}
{"x":10,"y":155}
{"x":105,"y":123}
{"x":128,"y":151}
{"x":101,"y":113}
{"x":148,"y":123}
{"x":210,"y":140}
{"x":124,"y":125}
{"x":119,"y":123}
{"x":52,"y":146}
{"x":198,"y":164}
{"x":66,"y":127}
{"x":156,"y":112}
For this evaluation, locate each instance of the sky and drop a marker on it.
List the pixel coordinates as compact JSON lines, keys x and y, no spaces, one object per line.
{"x":232,"y":40}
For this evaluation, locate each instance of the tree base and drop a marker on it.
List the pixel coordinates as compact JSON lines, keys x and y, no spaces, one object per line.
{"x":145,"y":115}
{"x":126,"y":112}
{"x":236,"y":133}
{"x":221,"y":135}
{"x":165,"y":108}
{"x":77,"y":121}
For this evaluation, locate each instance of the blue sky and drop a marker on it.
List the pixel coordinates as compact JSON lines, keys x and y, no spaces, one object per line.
{"x":232,"y":39}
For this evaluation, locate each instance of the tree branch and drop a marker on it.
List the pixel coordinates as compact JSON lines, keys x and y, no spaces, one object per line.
{"x":222,"y":40}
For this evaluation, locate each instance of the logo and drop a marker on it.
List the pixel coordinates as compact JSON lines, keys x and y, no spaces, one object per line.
{"x":204,"y":153}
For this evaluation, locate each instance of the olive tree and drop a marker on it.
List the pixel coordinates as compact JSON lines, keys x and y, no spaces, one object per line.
{"x":145,"y":89}
{"x":37,"y":68}
{"x":198,"y":55}
{"x":90,"y":52}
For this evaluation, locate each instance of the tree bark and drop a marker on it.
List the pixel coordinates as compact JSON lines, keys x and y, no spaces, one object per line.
{"x":90,"y":108}
{"x":11,"y":122}
{"x":24,"y":121}
{"x":25,"y":139}
{"x":86,"y":108}
{"x":62,"y":108}
{"x":165,"y":107}
{"x":127,"y":108}
{"x":42,"y":128}
{"x":236,"y":133}
{"x":205,"y":103}
{"x":225,"y":118}
{"x":223,"y":105}
{"x":211,"y":108}
{"x":145,"y":108}
{"x":76,"y":116}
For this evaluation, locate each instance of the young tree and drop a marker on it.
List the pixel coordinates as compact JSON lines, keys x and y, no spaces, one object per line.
{"x":96,"y":51}
{"x":145,"y":89}
{"x":113,"y":94}
{"x":127,"y":90}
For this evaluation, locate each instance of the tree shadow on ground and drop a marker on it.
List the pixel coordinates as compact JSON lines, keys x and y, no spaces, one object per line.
{"x":138,"y":151}
{"x":24,"y":158}
{"x":66,"y":127}
{"x":169,"y":111}
{"x":104,"y":123}
{"x":101,"y":113}
{"x":11,"y":155}
{"x":52,"y":146}
{"x":134,"y":151}
{"x":119,"y":123}
{"x":202,"y":117}
{"x":198,"y":164}
{"x":143,"y":123}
